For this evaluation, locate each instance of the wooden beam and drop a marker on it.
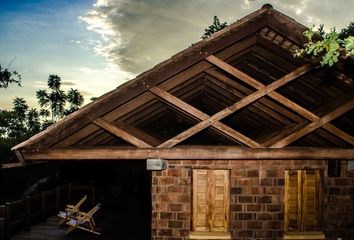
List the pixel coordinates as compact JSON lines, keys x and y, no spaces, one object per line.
{"x":314,"y":125}
{"x":280,"y":98}
{"x":238,"y":105}
{"x":190,"y":110}
{"x":195,"y":152}
{"x":121,"y":133}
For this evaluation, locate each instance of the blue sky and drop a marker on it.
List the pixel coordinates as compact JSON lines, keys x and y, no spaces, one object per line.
{"x":96,"y":45}
{"x":46,"y":37}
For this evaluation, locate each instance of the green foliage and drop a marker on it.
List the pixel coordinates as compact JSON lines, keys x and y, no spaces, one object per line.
{"x":55,"y":99}
{"x":7,"y":77}
{"x":213,"y":28}
{"x":347,"y":32}
{"x":22,"y":122}
{"x":330,"y":46}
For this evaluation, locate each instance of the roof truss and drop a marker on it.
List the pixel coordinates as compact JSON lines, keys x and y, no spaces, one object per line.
{"x":245,"y":75}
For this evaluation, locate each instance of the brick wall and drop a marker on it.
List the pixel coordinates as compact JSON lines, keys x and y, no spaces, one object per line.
{"x":257,"y":189}
{"x":339,"y":205}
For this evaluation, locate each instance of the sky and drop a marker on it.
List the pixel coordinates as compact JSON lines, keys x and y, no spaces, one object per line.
{"x":96,"y":45}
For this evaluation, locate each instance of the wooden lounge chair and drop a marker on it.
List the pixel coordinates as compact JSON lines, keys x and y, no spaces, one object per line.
{"x":84,"y":221}
{"x":70,"y":210}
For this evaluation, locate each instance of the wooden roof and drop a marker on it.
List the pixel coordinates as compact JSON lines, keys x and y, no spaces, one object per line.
{"x":239,"y":88}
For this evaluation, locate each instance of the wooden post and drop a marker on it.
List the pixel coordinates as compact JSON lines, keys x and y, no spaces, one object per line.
{"x":28,"y":213}
{"x":44,"y":206}
{"x":57,"y":199}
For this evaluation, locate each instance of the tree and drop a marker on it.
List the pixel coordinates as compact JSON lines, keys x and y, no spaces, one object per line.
{"x":75,"y":100}
{"x":55,"y":99}
{"x":213,"y":28}
{"x":330,"y":46}
{"x":348,"y":31}
{"x":7,"y":77}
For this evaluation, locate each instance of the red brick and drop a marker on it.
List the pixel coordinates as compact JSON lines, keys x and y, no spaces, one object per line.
{"x":162,"y":198}
{"x":221,"y":162}
{"x":176,"y":189}
{"x":273,"y":207}
{"x":247,"y":182}
{"x":190,"y":162}
{"x":183,"y":199}
{"x":238,"y":173}
{"x":254,"y":225}
{"x":254,"y":207}
{"x":166,"y":180}
{"x":300,"y":162}
{"x":183,"y":181}
{"x":273,"y":190}
{"x":236,"y":190}
{"x":205,"y":162}
{"x":166,"y":215}
{"x":162,"y":224}
{"x":175,"y":162}
{"x":236,"y":207}
{"x":164,"y":232}
{"x":271,"y":173}
{"x":266,"y":182}
{"x":175,"y":224}
{"x":245,"y":199}
{"x":264,"y":216}
{"x":251,"y":162}
{"x":244,"y":216}
{"x":264,"y":199}
{"x":265,"y":234}
{"x":245,"y":234}
{"x":183,"y":216}
{"x":253,"y":173}
{"x":175,"y":207}
{"x":174,"y":172}
{"x":272,"y":225}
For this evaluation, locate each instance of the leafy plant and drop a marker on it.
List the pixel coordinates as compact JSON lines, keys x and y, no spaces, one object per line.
{"x":8,"y":77}
{"x":327,"y":45}
{"x":213,"y":28}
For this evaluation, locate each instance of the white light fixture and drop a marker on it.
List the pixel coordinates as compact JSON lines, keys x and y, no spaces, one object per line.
{"x":156,"y":164}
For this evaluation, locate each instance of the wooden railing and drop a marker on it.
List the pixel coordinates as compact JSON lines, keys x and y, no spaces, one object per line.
{"x":22,"y":214}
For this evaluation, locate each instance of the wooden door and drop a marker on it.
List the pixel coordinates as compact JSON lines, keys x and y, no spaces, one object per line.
{"x":302,"y":199}
{"x":211,"y":200}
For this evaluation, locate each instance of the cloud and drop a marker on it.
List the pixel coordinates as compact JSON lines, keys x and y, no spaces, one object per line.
{"x":87,"y":93}
{"x":68,"y":83}
{"x":137,"y":34}
{"x":88,"y":70}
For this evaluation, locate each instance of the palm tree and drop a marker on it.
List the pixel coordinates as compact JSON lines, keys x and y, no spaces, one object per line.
{"x":20,"y":108}
{"x":33,"y":121}
{"x":17,"y":124}
{"x":75,"y":100}
{"x":55,"y":99}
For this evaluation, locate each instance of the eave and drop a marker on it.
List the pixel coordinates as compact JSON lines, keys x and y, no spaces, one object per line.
{"x":188,"y":152}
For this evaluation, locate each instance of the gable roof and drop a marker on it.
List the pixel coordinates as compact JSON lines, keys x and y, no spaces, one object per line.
{"x":236,"y":68}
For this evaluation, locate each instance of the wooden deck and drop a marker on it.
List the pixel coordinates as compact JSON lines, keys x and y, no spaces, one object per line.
{"x":122,"y":222}
{"x":49,"y":231}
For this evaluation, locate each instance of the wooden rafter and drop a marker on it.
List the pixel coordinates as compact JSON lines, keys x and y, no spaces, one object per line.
{"x":119,"y":132}
{"x":191,"y":152}
{"x":280,"y":98}
{"x":315,"y":124}
{"x":239,"y":104}
{"x":190,"y":110}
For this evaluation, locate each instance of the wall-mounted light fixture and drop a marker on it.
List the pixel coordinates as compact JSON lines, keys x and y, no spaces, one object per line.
{"x":156,"y":164}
